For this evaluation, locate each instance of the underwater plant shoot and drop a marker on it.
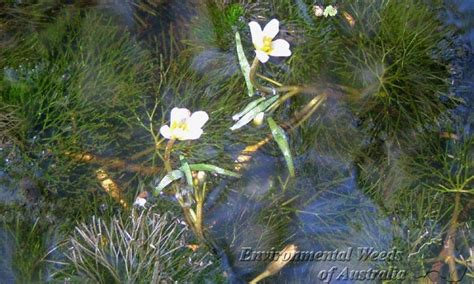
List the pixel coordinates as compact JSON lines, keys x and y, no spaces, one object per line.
{"x":242,"y":141}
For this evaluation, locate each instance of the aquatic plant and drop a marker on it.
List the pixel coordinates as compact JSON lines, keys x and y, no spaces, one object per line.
{"x":84,"y":91}
{"x":187,"y":126}
{"x":426,"y":186}
{"x":225,"y":19}
{"x":144,"y":247}
{"x":74,"y":98}
{"x":362,"y":84}
{"x":395,"y":56}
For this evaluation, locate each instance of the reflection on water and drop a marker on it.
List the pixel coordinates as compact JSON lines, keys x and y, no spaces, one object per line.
{"x":7,"y":195}
{"x":353,"y":171}
{"x":460,"y":14}
{"x":6,"y":270}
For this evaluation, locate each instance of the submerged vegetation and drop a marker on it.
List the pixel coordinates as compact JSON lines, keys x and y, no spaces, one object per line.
{"x":368,"y":150}
{"x":395,"y":55}
{"x":144,"y":247}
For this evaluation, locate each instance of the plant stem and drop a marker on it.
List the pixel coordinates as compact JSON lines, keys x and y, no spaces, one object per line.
{"x":168,"y":148}
{"x":447,"y":253}
{"x":199,"y":212}
{"x":253,"y":79}
{"x":308,"y":110}
{"x":261,"y":276}
{"x":270,"y":80}
{"x":188,"y":213}
{"x":264,"y":89}
{"x":112,"y":163}
{"x":450,"y":258}
{"x":284,"y":98}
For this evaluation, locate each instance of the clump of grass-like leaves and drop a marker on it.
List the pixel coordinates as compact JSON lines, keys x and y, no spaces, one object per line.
{"x":145,"y":247}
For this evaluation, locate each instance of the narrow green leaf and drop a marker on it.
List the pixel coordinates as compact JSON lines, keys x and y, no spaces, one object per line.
{"x":282,"y":141}
{"x":187,"y":171}
{"x":169,"y":178}
{"x":253,"y":112}
{"x":248,"y":108}
{"x":244,"y":64}
{"x":212,"y":168}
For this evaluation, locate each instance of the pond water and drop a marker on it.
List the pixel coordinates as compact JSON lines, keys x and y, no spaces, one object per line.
{"x":375,"y":103}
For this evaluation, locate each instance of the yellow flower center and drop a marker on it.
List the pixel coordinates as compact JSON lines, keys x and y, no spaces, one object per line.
{"x":267,"y":44}
{"x":180,"y":124}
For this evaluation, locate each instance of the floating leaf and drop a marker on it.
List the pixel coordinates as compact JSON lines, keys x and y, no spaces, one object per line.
{"x":250,"y":115}
{"x":186,"y":170}
{"x":215,"y":169}
{"x":282,"y":141}
{"x":169,"y":178}
{"x":249,"y":107}
{"x":244,"y":64}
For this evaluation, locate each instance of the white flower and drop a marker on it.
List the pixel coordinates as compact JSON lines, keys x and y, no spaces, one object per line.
{"x":330,"y":11}
{"x":263,"y":41}
{"x":184,"y":125}
{"x":318,"y":10}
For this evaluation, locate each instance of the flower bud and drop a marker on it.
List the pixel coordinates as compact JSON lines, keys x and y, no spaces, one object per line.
{"x":201,"y":176}
{"x":318,"y":10}
{"x":258,"y":120}
{"x":330,"y":11}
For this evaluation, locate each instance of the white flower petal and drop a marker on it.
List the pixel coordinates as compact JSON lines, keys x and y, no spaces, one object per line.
{"x":262,"y":56}
{"x":179,"y":114}
{"x":257,"y":34}
{"x":192,"y":134}
{"x":272,"y":28}
{"x":198,"y":119}
{"x":165,"y":131}
{"x":280,"y":47}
